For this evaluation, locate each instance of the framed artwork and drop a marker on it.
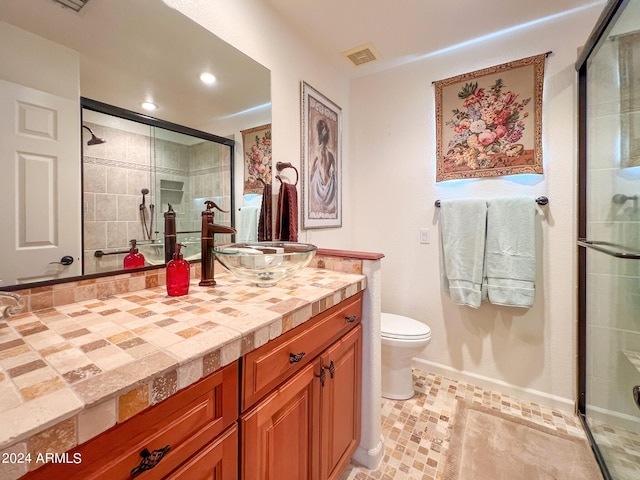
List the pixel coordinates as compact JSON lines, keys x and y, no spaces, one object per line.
{"x":256,"y":143}
{"x":489,"y":122}
{"x":321,"y":160}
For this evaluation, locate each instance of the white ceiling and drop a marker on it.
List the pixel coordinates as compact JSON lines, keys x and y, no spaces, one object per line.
{"x":134,"y":50}
{"x":405,"y":30}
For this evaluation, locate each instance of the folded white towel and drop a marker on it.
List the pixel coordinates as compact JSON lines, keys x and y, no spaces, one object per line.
{"x":462,"y":229}
{"x":510,"y":257}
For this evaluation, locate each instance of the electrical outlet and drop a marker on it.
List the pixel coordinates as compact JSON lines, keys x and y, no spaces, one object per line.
{"x":425,"y":235}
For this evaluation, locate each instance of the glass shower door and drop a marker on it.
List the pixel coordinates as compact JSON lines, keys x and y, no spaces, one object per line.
{"x":609,"y":254}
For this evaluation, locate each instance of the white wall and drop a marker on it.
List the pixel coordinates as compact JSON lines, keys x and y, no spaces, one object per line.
{"x":393,"y":189}
{"x":390,"y":189}
{"x":251,"y":27}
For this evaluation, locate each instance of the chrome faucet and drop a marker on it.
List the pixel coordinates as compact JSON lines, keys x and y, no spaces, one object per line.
{"x":8,"y":310}
{"x":209,"y":229}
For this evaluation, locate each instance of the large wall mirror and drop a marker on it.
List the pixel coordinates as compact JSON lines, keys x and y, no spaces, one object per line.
{"x":68,"y":199}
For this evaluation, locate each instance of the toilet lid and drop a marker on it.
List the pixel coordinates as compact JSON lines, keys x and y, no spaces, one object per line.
{"x":403,"y":328}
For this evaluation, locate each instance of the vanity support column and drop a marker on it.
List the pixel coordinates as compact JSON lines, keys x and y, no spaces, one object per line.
{"x":371,"y":449}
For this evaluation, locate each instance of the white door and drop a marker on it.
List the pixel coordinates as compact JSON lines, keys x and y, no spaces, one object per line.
{"x":40,"y":192}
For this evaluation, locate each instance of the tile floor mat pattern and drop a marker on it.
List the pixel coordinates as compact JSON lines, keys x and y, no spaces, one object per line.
{"x":417,"y":431}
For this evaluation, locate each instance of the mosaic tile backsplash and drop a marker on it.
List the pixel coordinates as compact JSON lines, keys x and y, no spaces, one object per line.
{"x":73,"y":370}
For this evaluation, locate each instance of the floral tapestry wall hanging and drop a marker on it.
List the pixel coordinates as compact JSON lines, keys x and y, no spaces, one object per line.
{"x":489,"y":122}
{"x":256,"y":143}
{"x":321,"y":160}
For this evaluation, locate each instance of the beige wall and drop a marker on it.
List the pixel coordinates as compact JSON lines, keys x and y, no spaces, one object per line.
{"x":59,"y":66}
{"x":390,"y":189}
{"x":527,"y":350}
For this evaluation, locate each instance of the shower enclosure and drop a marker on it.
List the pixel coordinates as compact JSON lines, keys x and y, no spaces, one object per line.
{"x":140,"y":167}
{"x":609,"y":239}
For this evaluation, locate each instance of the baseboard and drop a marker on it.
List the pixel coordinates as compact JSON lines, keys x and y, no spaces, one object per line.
{"x":531,"y":395}
{"x":369,"y":458}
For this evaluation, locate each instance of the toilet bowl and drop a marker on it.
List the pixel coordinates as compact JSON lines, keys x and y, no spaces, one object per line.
{"x":402,"y":339}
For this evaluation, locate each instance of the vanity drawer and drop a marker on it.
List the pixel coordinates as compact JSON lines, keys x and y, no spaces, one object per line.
{"x":187,"y":421}
{"x":266,"y":367}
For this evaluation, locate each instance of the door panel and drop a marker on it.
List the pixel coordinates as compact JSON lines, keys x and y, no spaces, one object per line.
{"x":279,"y":434}
{"x":39,"y":186}
{"x":340,"y":405}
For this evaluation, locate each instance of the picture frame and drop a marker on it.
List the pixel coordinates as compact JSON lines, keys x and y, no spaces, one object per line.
{"x":257,"y":146}
{"x":489,"y":122}
{"x":321,"y":160}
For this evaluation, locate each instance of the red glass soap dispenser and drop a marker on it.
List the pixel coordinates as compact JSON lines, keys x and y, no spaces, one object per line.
{"x":178,"y":274}
{"x":134,"y":259}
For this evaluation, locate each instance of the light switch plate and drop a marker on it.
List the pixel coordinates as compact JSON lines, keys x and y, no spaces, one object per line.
{"x":425,"y":235}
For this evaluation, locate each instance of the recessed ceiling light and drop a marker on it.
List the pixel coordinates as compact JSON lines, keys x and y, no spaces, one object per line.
{"x":207,"y":78}
{"x":149,"y":106}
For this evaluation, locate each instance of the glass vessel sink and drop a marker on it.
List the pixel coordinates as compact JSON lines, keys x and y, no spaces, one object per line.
{"x":265,"y":263}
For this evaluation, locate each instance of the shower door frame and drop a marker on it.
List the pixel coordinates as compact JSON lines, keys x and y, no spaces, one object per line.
{"x":608,"y":16}
{"x":115,"y":111}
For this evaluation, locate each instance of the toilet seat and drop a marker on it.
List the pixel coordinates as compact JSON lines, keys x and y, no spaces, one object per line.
{"x":403,"y":328}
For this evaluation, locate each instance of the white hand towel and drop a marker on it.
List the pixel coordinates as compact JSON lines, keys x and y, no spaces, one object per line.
{"x":510,"y":257}
{"x":463,"y":229}
{"x":248,"y":223}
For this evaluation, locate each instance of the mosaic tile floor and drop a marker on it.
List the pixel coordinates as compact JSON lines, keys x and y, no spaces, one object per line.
{"x":417,"y":431}
{"x":620,"y":448}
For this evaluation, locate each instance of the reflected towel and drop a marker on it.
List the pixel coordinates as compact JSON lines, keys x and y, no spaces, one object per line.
{"x":248,"y":223}
{"x":264,"y":222}
{"x":510,"y":257}
{"x":462,"y":229}
{"x":287,"y":214}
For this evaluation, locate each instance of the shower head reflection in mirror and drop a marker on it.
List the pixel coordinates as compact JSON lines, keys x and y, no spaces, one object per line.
{"x":94,"y":140}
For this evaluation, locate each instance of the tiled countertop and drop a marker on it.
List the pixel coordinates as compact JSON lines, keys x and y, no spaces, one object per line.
{"x":129,"y":351}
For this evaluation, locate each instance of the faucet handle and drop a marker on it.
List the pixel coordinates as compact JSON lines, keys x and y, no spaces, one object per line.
{"x":210,"y":205}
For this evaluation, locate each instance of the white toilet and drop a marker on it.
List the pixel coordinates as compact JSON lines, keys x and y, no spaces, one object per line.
{"x":402,"y":339}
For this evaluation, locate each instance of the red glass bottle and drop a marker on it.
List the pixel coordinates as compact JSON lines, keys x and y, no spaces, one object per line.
{"x":178,"y":275}
{"x":134,"y":259}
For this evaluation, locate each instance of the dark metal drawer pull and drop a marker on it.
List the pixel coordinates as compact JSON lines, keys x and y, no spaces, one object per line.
{"x":149,"y":460}
{"x":295,"y":357}
{"x":351,"y":318}
{"x":331,"y":368}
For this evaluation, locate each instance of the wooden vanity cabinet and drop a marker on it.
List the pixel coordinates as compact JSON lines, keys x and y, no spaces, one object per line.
{"x":309,"y":425}
{"x":300,"y":401}
{"x":198,"y":423}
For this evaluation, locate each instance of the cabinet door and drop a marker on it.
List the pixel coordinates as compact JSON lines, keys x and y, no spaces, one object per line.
{"x":340,"y":403}
{"x":280,"y":435}
{"x":216,"y":461}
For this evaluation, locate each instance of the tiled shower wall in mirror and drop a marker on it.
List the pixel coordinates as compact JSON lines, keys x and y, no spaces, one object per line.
{"x":170,"y":167}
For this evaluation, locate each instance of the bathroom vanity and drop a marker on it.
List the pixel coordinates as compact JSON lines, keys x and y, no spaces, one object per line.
{"x":271,"y":383}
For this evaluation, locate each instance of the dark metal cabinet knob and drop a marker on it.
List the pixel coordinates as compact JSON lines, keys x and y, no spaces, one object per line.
{"x":351,"y":318}
{"x":331,"y":368}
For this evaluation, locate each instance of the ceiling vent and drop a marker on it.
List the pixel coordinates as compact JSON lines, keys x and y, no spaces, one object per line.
{"x":75,"y":5}
{"x":363,"y":54}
